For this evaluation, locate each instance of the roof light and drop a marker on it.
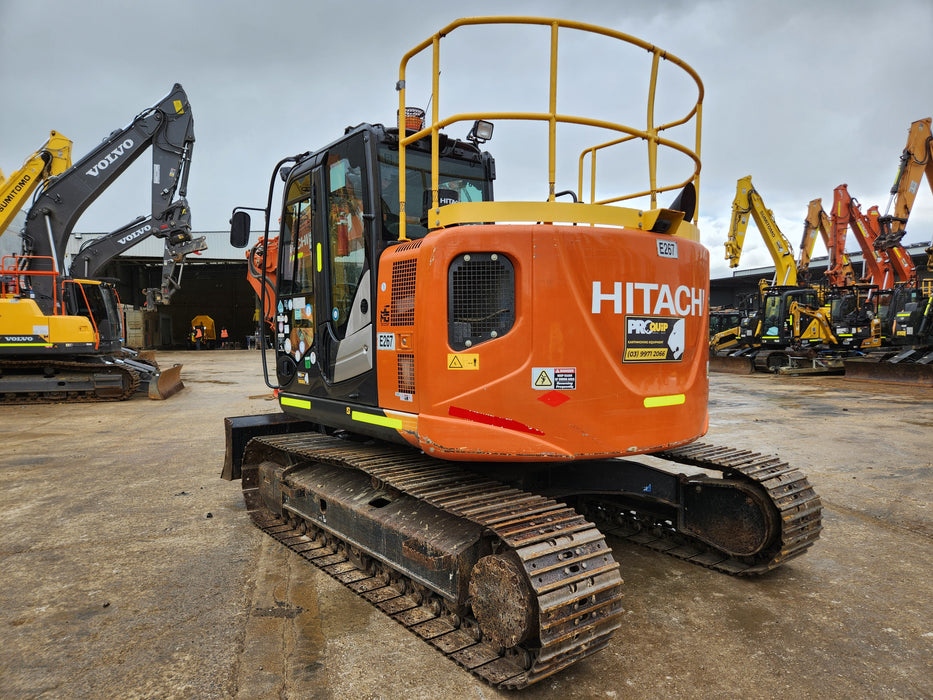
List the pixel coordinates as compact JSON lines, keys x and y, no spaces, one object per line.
{"x":481,"y":131}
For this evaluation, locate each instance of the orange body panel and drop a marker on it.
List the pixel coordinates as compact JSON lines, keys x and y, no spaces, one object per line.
{"x":555,"y":386}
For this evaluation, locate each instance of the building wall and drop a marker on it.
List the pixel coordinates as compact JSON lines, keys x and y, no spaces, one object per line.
{"x":219,"y":290}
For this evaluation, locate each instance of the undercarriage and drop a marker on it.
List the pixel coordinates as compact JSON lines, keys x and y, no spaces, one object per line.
{"x":487,"y":562}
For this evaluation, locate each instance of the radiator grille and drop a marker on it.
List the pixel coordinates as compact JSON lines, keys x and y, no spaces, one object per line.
{"x":481,"y":299}
{"x":402,"y":305}
{"x":406,"y":373}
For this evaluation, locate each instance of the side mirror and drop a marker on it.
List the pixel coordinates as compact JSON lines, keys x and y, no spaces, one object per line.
{"x":239,"y":229}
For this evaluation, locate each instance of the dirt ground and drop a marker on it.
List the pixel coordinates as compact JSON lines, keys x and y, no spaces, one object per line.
{"x":131,"y":570}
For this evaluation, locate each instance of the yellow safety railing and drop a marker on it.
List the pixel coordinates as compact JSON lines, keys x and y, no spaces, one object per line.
{"x":592,"y":212}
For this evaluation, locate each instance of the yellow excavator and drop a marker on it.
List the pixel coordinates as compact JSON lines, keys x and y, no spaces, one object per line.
{"x":733,"y":351}
{"x":748,"y":203}
{"x":51,"y":159}
{"x":61,"y":336}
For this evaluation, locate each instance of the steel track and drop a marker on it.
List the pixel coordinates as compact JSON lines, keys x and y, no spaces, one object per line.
{"x":567,"y":562}
{"x":568,"y":565}
{"x":129,"y":385}
{"x":798,"y":507}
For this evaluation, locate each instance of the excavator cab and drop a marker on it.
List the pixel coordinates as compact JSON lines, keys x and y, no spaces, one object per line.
{"x":341,"y":210}
{"x":777,"y":324}
{"x":98,"y":302}
{"x":852,"y":312}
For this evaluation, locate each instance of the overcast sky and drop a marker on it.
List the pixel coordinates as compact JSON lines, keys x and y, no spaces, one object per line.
{"x":801,"y":95}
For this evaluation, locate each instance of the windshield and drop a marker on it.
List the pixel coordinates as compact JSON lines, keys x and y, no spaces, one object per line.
{"x":458,"y":180}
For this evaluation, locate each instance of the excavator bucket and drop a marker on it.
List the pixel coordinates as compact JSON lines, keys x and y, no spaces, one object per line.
{"x":731,"y":364}
{"x":165,"y":383}
{"x":909,"y":373}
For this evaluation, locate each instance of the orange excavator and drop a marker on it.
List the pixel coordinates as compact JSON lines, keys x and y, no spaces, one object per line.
{"x":839,"y":272}
{"x":916,"y":161}
{"x":466,"y":382}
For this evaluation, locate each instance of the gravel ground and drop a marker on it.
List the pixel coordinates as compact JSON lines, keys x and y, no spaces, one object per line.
{"x":130,"y":569}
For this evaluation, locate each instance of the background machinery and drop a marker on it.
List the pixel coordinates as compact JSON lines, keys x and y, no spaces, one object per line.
{"x":903,"y":352}
{"x":53,"y":158}
{"x":61,"y":337}
{"x":456,"y":371}
{"x":788,"y":322}
{"x":819,"y":222}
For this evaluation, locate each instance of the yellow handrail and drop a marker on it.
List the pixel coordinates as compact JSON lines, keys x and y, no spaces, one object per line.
{"x":547,"y":211}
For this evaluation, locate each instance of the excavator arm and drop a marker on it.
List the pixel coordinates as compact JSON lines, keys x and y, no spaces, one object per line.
{"x":810,"y":324}
{"x":748,"y":202}
{"x":52,"y":159}
{"x":916,"y":161}
{"x":175,"y":228}
{"x":167,"y":127}
{"x":847,"y":213}
{"x":894,"y":255}
{"x":840,"y":272}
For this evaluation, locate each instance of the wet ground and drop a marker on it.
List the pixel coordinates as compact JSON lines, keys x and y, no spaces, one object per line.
{"x":130,"y":569}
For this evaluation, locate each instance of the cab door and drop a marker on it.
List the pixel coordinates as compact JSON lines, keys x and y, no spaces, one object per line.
{"x":324,"y":298}
{"x":345,"y":330}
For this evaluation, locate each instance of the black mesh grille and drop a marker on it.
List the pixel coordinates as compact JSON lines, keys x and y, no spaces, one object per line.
{"x":406,"y":373}
{"x":481,"y":302}
{"x":402,"y":308}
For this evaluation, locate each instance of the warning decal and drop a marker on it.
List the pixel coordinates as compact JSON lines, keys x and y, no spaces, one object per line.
{"x":560,"y":378}
{"x":464,"y":360}
{"x":654,"y":339}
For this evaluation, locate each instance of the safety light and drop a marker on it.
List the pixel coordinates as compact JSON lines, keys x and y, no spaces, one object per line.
{"x":481,"y":131}
{"x":414,"y":119}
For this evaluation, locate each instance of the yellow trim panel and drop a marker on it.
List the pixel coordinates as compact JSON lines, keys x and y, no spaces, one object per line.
{"x":373,"y":419}
{"x":669,"y":400}
{"x":296,"y":403}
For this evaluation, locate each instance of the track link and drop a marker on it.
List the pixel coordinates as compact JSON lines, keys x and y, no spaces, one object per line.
{"x":74,"y":382}
{"x":568,"y":565}
{"x":798,"y":507}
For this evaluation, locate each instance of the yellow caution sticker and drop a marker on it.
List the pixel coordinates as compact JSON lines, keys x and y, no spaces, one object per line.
{"x":465,"y":360}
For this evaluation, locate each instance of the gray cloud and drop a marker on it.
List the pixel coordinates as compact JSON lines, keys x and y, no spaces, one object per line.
{"x":803,"y":96}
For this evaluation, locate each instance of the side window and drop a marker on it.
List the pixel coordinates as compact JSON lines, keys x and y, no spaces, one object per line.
{"x":346,"y":199}
{"x":297,"y":266}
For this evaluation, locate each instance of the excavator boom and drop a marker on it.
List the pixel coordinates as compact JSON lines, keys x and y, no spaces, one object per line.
{"x":839,"y":272}
{"x":53,"y":158}
{"x":916,"y":161}
{"x":168,"y":127}
{"x":748,"y":202}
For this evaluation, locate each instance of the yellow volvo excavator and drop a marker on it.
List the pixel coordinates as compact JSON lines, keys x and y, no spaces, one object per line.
{"x":61,"y":337}
{"x":466,"y":383}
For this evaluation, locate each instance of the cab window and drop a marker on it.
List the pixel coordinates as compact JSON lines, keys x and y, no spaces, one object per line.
{"x":346,"y":197}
